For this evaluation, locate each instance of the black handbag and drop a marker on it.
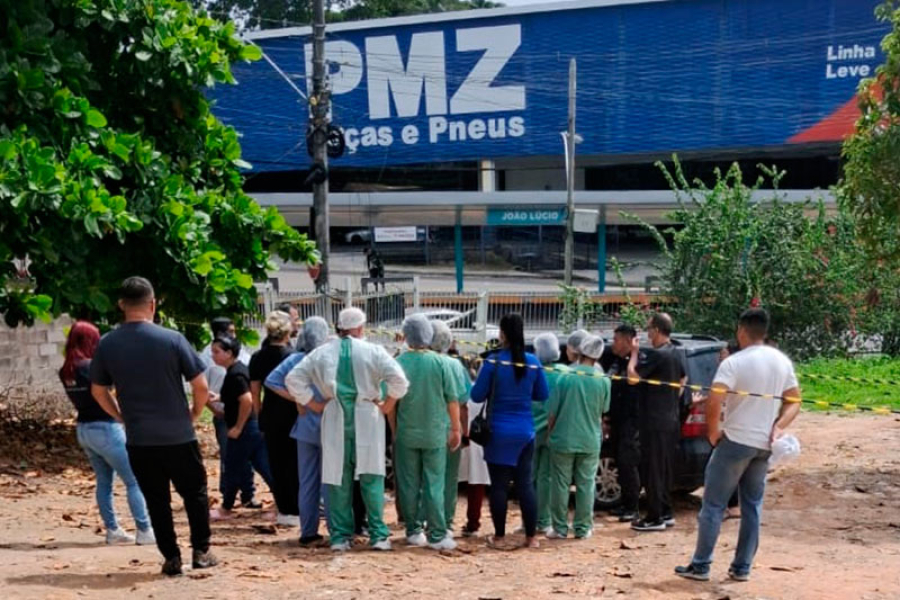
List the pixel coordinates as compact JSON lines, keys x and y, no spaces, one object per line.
{"x":480,"y":428}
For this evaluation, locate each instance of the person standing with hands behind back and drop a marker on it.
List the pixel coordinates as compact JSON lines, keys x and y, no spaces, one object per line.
{"x":660,"y":419}
{"x":743,"y":442}
{"x":146,"y":364}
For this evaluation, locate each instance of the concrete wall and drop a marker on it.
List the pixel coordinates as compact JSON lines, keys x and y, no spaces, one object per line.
{"x":31,"y":356}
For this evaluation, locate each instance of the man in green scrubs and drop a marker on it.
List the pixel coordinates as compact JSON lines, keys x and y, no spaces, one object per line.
{"x":546,"y":348}
{"x":427,"y":424}
{"x":575,"y":410}
{"x":351,"y":371}
{"x":441,"y":343}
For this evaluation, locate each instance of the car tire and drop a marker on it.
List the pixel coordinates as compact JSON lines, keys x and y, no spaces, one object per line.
{"x":607,"y":491}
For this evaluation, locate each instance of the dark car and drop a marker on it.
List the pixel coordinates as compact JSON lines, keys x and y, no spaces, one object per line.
{"x":701,"y":358}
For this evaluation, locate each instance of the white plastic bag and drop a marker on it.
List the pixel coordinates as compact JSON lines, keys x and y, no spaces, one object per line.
{"x":784,"y":449}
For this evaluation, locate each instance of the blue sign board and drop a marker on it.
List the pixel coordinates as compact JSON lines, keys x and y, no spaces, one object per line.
{"x":526,"y":216}
{"x":653,"y":77}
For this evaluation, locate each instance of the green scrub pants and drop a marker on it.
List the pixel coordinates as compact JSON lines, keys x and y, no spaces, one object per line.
{"x":563,"y":467}
{"x":542,"y":485}
{"x":340,"y":501}
{"x":451,"y":486}
{"x":420,"y":483}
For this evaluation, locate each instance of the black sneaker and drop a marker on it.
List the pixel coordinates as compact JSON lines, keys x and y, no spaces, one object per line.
{"x":645,"y":525}
{"x":669,"y":520}
{"x":204,"y":560}
{"x":313,"y":540}
{"x":735,"y":576}
{"x":172,"y":567}
{"x":691,"y":572}
{"x":628,"y":517}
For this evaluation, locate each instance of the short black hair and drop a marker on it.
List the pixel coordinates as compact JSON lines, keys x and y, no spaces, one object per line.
{"x":220,"y":326}
{"x":136,"y":291}
{"x":229,"y":344}
{"x":626,"y":329}
{"x":755,"y":322}
{"x":284,"y":307}
{"x":662,"y":322}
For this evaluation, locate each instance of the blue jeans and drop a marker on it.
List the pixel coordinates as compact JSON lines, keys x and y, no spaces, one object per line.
{"x":732,"y":466}
{"x":248,"y":448}
{"x":248,"y":489}
{"x":312,"y":492}
{"x":104,"y":444}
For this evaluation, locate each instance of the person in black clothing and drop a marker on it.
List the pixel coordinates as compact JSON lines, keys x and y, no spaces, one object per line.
{"x":148,"y":364}
{"x":245,"y":442}
{"x":276,"y":418}
{"x":624,"y":422}
{"x":660,"y":419}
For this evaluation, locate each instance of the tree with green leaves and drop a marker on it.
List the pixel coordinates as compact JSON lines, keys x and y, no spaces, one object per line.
{"x":871,"y":185}
{"x":111,"y":164}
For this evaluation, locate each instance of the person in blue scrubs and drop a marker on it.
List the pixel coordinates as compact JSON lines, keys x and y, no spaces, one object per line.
{"x":307,"y":432}
{"x":513,"y":379}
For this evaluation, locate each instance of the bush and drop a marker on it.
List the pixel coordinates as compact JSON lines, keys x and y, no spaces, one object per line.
{"x":738,"y":246}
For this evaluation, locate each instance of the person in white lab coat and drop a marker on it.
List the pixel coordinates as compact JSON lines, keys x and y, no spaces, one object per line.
{"x":349,"y":373}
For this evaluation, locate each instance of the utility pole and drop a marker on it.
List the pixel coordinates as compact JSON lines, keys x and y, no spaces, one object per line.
{"x":570,"y":178}
{"x":320,"y":104}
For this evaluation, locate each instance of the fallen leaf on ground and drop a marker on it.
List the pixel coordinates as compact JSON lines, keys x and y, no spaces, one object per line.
{"x":562,"y":574}
{"x":265,"y":529}
{"x":626,"y":545}
{"x":783,"y":569}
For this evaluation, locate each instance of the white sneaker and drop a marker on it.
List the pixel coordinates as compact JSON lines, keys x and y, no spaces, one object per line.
{"x":145,"y":538}
{"x":417,"y":539}
{"x":383,"y":545}
{"x":118,"y":536}
{"x":445,"y":544}
{"x":340,"y":547}
{"x":287,"y":520}
{"x":555,"y":535}
{"x":546,"y":530}
{"x":586,"y":536}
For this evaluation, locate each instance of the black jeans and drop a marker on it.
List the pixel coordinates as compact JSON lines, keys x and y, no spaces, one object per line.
{"x":282,"y":449}
{"x":626,"y":443}
{"x":156,"y":467}
{"x":521,"y":475}
{"x":657,"y":470}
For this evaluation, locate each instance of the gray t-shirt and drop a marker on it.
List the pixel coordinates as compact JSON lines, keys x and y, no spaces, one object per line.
{"x":146,"y":364}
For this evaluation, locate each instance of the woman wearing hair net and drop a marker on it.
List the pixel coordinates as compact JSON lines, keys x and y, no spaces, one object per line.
{"x":427,"y":424}
{"x":441,"y":343}
{"x":306,"y":432}
{"x":575,"y":411}
{"x":349,"y":373}
{"x":546,"y":348}
{"x":573,"y":344}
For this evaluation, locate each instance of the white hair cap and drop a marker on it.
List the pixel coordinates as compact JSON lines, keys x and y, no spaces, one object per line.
{"x":546,"y":348}
{"x":574,"y":341}
{"x":351,"y":318}
{"x":314,"y":333}
{"x":443,"y":337}
{"x":592,"y":346}
{"x":418,"y":331}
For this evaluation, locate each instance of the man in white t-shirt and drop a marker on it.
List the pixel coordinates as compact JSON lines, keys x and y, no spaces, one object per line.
{"x":743,"y":441}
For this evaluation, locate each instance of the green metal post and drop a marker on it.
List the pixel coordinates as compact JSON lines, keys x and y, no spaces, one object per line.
{"x":601,"y":251}
{"x":458,"y":251}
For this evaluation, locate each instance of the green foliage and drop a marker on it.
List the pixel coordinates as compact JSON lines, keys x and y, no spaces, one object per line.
{"x":111,"y":163}
{"x":798,"y":261}
{"x":849,"y":392}
{"x":581,"y":309}
{"x":871,"y":184}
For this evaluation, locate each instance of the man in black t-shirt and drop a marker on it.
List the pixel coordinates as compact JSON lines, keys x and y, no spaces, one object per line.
{"x":659,"y":419}
{"x":147,"y":365}
{"x":624,"y":422}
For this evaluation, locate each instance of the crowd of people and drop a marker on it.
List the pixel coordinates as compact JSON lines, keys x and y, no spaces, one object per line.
{"x":313,"y":414}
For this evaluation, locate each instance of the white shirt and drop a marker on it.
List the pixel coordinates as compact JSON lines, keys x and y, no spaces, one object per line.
{"x":372,"y":365}
{"x":761,"y":370}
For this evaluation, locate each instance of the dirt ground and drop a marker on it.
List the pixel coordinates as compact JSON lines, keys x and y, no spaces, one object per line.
{"x":831,"y":530}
